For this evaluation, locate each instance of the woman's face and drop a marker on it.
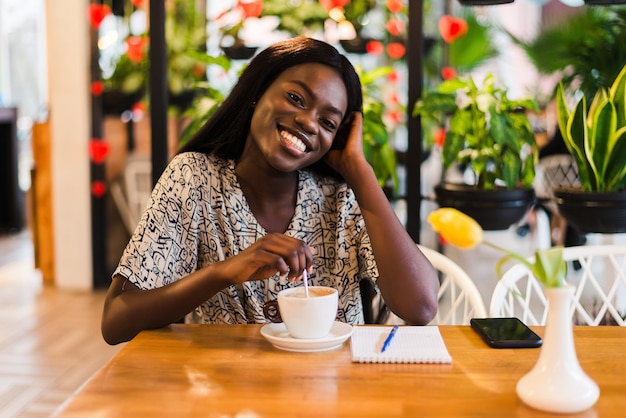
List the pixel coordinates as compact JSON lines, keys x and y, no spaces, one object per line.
{"x":295,"y":121}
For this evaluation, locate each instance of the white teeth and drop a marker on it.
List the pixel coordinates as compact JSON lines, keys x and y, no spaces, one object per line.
{"x":293,"y":140}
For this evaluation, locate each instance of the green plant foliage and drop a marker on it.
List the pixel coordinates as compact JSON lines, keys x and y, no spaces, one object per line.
{"x":205,"y":105}
{"x":465,"y":54}
{"x":486,"y":131}
{"x":376,"y":147}
{"x":128,"y":76}
{"x":588,"y":48}
{"x":185,"y":39}
{"x":356,"y":10}
{"x":296,"y":16}
{"x":474,"y":48}
{"x":596,"y":137}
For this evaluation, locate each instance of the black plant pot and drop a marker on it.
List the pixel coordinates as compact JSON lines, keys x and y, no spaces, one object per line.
{"x":603,"y":2}
{"x":494,"y":210}
{"x":592,"y":212}
{"x":483,"y":2}
{"x":116,"y":102}
{"x":357,"y":45}
{"x":182,"y":101}
{"x":239,"y":52}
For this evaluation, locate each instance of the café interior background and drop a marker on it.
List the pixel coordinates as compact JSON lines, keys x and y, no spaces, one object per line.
{"x":44,"y":72}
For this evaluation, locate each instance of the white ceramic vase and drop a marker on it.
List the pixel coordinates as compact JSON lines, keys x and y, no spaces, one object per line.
{"x":557,"y":383}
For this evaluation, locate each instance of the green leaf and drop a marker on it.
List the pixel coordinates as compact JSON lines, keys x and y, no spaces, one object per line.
{"x":511,"y":168}
{"x":616,"y":162}
{"x":498,"y":128}
{"x":603,"y":121}
{"x":549,"y":267}
{"x":563,"y":115}
{"x":368,"y":77}
{"x":435,"y":105}
{"x":577,"y":136}
{"x":618,"y":96}
{"x":452,"y":146}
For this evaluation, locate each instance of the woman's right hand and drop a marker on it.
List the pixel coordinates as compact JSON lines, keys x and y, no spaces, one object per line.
{"x":272,"y":254}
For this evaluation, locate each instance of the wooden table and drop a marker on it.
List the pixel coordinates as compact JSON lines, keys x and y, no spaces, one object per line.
{"x":232,"y":371}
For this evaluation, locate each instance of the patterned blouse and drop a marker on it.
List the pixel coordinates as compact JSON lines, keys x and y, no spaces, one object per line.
{"x":198,"y":215}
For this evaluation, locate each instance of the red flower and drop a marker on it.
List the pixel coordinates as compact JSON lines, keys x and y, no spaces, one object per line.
{"x":395,"y":116}
{"x":448,"y":73}
{"x":251,"y":8}
{"x":452,"y":28}
{"x":440,"y":136}
{"x":395,"y":27}
{"x":393,"y":98}
{"x":331,"y":4}
{"x":97,"y":87}
{"x":96,"y":14}
{"x":98,"y":188}
{"x":138,"y":3}
{"x":374,"y":47}
{"x":138,"y":110}
{"x":136,"y":46}
{"x":395,"y":6}
{"x":396,"y":50}
{"x":393,"y":77}
{"x":98,"y":150}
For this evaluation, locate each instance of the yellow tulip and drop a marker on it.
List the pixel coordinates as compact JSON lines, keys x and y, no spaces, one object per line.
{"x":456,"y":228}
{"x":464,"y":232}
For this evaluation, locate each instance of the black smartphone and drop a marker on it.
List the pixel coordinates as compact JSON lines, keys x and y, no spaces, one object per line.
{"x":505,"y":333}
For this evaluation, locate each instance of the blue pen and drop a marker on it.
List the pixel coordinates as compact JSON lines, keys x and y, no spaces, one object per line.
{"x":389,"y":338}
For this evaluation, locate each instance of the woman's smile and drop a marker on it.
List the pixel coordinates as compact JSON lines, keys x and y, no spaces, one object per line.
{"x":292,"y":142}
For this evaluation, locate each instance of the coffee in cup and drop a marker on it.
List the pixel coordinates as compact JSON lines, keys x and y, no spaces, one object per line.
{"x":304,"y":317}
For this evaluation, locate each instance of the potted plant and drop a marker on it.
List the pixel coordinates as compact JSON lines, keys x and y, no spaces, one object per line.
{"x":376,"y":146}
{"x":185,"y":35}
{"x":586,"y":50}
{"x":490,"y":136}
{"x":596,"y":137}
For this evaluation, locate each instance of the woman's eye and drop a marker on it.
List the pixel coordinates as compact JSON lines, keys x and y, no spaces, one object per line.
{"x":329,"y":124}
{"x":295,"y":99}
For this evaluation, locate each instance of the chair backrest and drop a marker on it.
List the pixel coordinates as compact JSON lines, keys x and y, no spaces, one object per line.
{"x":597,"y":271}
{"x":554,"y":171}
{"x":459,"y":298}
{"x":138,"y":178}
{"x":131,"y":195}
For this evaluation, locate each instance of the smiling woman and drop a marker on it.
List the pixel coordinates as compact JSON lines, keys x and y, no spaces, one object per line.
{"x":274,"y":184}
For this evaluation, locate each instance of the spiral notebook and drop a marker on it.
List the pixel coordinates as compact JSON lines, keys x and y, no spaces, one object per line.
{"x":411,"y":344}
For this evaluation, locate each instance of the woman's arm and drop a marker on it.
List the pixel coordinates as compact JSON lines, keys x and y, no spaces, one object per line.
{"x":408,"y":282}
{"x":129,"y":310}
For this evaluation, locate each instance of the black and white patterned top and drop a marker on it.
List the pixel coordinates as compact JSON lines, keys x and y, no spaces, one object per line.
{"x":198,"y":215}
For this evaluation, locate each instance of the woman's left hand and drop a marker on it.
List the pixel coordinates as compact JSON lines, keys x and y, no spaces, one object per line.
{"x":345,"y":158}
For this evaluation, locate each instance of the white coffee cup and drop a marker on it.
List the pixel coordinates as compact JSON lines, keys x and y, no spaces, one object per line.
{"x":305,"y":317}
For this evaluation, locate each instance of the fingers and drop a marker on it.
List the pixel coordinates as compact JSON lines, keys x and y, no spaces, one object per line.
{"x":286,"y":255}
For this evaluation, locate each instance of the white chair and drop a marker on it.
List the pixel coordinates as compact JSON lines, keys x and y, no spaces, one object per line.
{"x":597,"y":271}
{"x":459,"y":298}
{"x":132,"y":192}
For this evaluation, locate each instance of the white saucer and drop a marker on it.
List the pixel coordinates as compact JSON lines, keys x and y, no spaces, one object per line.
{"x":279,"y":337}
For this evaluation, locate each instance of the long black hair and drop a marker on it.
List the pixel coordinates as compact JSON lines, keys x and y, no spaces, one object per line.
{"x":225,"y":133}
